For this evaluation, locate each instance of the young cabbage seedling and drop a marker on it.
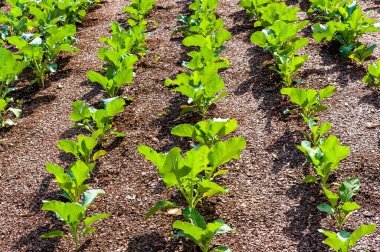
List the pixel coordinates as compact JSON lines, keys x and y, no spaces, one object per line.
{"x":98,"y":121}
{"x":341,"y":206}
{"x":280,"y":39}
{"x":200,"y":232}
{"x":72,"y":182}
{"x":308,"y":100}
{"x":41,"y":51}
{"x":347,"y":26}
{"x":192,"y":175}
{"x":118,"y":74}
{"x":125,"y":42}
{"x":252,"y":7}
{"x":203,"y":88}
{"x":206,"y":132}
{"x":138,"y":10}
{"x":83,"y":149}
{"x":276,"y":11}
{"x":373,"y":76}
{"x":74,"y":216}
{"x":325,"y":158}
{"x":344,"y":241}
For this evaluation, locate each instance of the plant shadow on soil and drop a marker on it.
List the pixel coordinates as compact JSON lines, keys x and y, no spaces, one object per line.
{"x":286,"y":152}
{"x":32,"y":241}
{"x":347,"y":70}
{"x":263,"y":84}
{"x":372,"y":99}
{"x":304,"y":220}
{"x":155,"y":242}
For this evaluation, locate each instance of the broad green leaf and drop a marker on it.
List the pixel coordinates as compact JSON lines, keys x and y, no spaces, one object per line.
{"x":96,"y":217}
{"x":159,"y":206}
{"x":90,"y":195}
{"x":53,"y":234}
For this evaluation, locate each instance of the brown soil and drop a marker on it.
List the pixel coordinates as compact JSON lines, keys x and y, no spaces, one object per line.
{"x":268,"y":206}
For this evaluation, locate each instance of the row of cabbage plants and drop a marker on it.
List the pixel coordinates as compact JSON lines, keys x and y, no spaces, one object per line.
{"x":77,"y":192}
{"x":194,"y":173}
{"x":32,"y":35}
{"x":324,"y":153}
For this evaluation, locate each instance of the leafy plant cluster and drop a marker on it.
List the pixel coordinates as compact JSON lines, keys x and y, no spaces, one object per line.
{"x":345,"y":22}
{"x":279,"y":36}
{"x":201,"y":83}
{"x":195,"y":173}
{"x":33,"y":34}
{"x":123,"y":49}
{"x":325,"y":152}
{"x":77,"y":195}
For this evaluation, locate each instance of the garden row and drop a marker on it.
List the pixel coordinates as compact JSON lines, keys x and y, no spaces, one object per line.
{"x":195,"y":173}
{"x":123,"y":50}
{"x":32,"y":35}
{"x":346,"y":23}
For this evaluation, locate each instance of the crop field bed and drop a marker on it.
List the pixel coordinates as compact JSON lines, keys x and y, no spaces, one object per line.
{"x":266,"y":202}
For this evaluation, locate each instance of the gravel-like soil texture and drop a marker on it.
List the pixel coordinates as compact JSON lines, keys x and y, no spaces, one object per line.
{"x":266,"y":203}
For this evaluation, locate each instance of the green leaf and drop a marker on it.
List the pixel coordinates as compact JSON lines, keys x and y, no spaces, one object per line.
{"x":53,"y":234}
{"x":309,"y":179}
{"x":88,"y":230}
{"x":159,"y":206}
{"x":183,"y":130}
{"x":195,"y":217}
{"x":189,"y":229}
{"x":326,"y":208}
{"x":360,"y":232}
{"x":68,"y":146}
{"x":96,"y":217}
{"x":348,"y":189}
{"x":90,"y":195}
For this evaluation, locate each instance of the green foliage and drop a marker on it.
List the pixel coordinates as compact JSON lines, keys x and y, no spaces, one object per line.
{"x":15,"y":22}
{"x":202,"y":88}
{"x":82,"y":150}
{"x":325,"y":157}
{"x":11,"y":66}
{"x":373,"y":76}
{"x":206,"y":132}
{"x":344,"y":241}
{"x":5,"y":111}
{"x":41,"y":52}
{"x":252,"y":7}
{"x":346,"y":24}
{"x":138,"y":10}
{"x":203,"y":21}
{"x":74,"y":216}
{"x":341,"y":206}
{"x":329,"y":9}
{"x":205,"y":57}
{"x":72,"y":182}
{"x":200,"y":232}
{"x":281,"y":41}
{"x":125,"y":42}
{"x":276,"y":11}
{"x":309,"y":101}
{"x":98,"y":121}
{"x":193,"y":174}
{"x":117,"y":75}
{"x":315,"y":136}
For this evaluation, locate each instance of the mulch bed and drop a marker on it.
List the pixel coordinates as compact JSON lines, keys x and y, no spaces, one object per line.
{"x":266,"y":203}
